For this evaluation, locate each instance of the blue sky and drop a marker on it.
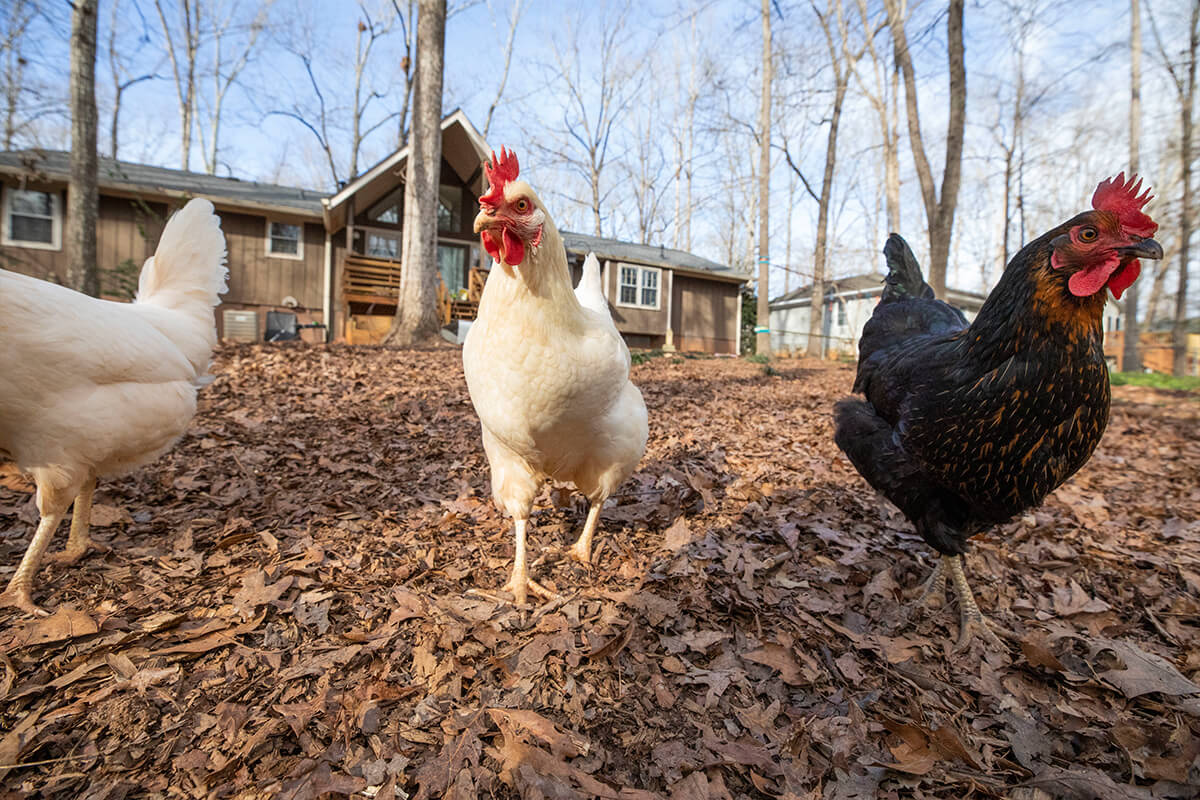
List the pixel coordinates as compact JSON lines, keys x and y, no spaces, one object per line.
{"x":1076,"y":53}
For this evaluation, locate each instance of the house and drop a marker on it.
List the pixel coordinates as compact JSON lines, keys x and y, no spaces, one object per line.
{"x":274,"y":234}
{"x":849,"y":303}
{"x":335,"y":259}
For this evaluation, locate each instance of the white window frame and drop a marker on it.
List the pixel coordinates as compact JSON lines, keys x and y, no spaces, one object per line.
{"x":641,"y":270}
{"x":299,"y":254}
{"x":55,"y":222}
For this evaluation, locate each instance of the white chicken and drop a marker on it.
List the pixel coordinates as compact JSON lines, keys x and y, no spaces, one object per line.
{"x":547,"y":371}
{"x":93,"y":387}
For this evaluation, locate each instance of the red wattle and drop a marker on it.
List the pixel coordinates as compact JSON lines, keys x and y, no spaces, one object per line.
{"x":512,"y":248}
{"x":1124,"y":278}
{"x":489,"y":244}
{"x":1091,"y":279}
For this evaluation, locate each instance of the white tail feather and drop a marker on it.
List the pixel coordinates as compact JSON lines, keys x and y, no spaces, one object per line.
{"x":590,"y":292}
{"x":187,"y":272}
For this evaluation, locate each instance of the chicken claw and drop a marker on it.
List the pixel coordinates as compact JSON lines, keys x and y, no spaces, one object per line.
{"x":933,"y":591}
{"x":21,"y":598}
{"x":79,"y":541}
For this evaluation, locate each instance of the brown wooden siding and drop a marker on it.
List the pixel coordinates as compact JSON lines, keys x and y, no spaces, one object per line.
{"x":127,"y":231}
{"x":256,"y":278}
{"x":704,"y":314}
{"x":637,"y":320}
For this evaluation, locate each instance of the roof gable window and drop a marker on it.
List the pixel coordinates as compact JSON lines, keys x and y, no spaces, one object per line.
{"x":285,"y":240}
{"x":387,"y":210}
{"x":32,"y":219}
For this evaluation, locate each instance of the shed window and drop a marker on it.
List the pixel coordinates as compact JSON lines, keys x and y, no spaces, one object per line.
{"x":32,"y":219}
{"x":841,"y":308}
{"x":639,"y":286}
{"x":285,"y":240}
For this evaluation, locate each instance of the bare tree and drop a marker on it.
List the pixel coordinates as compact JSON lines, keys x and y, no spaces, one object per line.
{"x":225,"y":73}
{"x":646,"y":178}
{"x":883,"y":95}
{"x":513,"y":19}
{"x":329,"y":114}
{"x":182,"y":48}
{"x":416,"y":308}
{"x":369,"y":32}
{"x":762,"y":331}
{"x":842,"y":58}
{"x":684,"y":136}
{"x":1183,"y":77}
{"x":1132,"y":352}
{"x":29,"y":91}
{"x":939,"y":212}
{"x":122,"y":78}
{"x":597,"y":98}
{"x":83,"y":196}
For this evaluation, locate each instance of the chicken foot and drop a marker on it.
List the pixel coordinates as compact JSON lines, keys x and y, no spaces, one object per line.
{"x":972,"y":622}
{"x":19,"y":593}
{"x":79,"y":541}
{"x":582,"y":549}
{"x":520,"y":584}
{"x":933,"y":591}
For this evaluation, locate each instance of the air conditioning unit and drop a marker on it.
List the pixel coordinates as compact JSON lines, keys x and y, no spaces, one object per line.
{"x":240,"y":326}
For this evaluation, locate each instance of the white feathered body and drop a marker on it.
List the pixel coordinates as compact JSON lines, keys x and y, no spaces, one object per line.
{"x":102,"y":387}
{"x":549,"y":379}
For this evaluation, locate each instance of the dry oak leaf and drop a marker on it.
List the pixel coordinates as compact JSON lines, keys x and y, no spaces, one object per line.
{"x":1137,"y":672}
{"x":65,"y":623}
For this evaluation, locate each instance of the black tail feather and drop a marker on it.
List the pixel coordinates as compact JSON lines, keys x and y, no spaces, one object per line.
{"x":904,"y":279}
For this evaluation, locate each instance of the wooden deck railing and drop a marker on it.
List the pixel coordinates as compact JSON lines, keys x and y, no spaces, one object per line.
{"x":371,"y":280}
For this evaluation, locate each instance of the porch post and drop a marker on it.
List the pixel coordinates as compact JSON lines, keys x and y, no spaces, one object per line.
{"x":327,"y":293}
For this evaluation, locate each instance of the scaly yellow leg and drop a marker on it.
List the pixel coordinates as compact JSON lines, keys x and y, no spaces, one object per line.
{"x":582,"y":549}
{"x":19,"y":593}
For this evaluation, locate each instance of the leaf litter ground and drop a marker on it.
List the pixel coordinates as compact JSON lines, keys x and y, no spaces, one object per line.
{"x":302,"y":600}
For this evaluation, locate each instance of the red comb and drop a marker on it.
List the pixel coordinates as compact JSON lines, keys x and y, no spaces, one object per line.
{"x":1120,"y":197}
{"x":499,"y":171}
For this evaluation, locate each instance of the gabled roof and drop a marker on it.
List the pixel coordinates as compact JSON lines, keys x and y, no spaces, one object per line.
{"x":581,"y":244}
{"x":142,"y":179}
{"x":462,"y":147}
{"x":868,"y":284}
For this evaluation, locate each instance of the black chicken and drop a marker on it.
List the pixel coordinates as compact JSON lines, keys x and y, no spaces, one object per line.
{"x":965,"y":426}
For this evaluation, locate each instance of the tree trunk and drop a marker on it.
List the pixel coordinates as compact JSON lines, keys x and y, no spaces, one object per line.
{"x":83,"y":197}
{"x":816,"y":317}
{"x":416,"y":310}
{"x":1179,"y":329}
{"x":1131,"y":357}
{"x":939,"y":213}
{"x":762,"y":331}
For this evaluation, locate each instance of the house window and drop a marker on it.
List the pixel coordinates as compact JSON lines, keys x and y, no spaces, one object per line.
{"x":841,"y":308}
{"x":383,"y":245}
{"x":452,"y":263}
{"x":285,"y":240}
{"x":32,"y":219}
{"x":450,"y":205}
{"x":639,"y":287}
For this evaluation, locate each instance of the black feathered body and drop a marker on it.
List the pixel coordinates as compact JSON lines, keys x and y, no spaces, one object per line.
{"x":965,"y":426}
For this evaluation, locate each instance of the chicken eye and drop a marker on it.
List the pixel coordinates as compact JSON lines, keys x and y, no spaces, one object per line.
{"x":522,"y":205}
{"x":1088,"y":234}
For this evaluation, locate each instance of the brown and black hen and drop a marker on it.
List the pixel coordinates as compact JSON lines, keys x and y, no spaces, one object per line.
{"x":965,"y":426}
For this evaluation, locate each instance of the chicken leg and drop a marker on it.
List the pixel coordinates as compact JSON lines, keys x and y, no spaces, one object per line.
{"x":79,"y":541}
{"x":19,"y":593}
{"x":582,"y":549}
{"x":520,"y":584}
{"x":972,"y":622}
